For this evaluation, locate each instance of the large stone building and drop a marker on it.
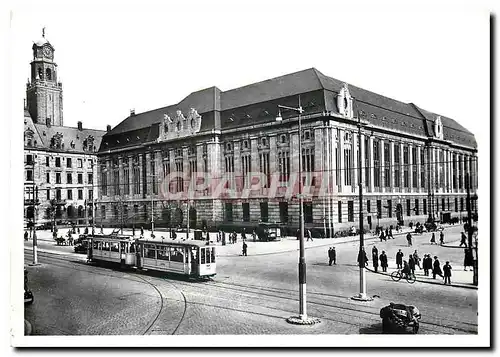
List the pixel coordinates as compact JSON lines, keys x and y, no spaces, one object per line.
{"x":60,"y":164}
{"x":414,"y":162}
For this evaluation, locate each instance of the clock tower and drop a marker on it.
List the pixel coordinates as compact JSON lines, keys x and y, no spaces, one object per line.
{"x":43,"y":91}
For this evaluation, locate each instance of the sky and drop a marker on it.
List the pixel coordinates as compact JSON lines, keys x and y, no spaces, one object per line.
{"x":115,"y":58}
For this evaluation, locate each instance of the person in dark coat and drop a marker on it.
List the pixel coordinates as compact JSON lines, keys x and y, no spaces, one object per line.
{"x":411,"y":264}
{"x":387,"y":234}
{"x":441,"y":238}
{"x":447,"y":273}
{"x":244,"y":248}
{"x":463,"y":240}
{"x":383,"y":261}
{"x":382,"y":236}
{"x":468,"y":259}
{"x":427,"y":264}
{"x":332,"y":256}
{"x":142,"y":231}
{"x":375,"y":258}
{"x":416,"y":258}
{"x":436,"y":268}
{"x":433,"y":238}
{"x":86,"y":231}
{"x":362,"y":258}
{"x":26,"y":235}
{"x":399,"y":259}
{"x":408,"y":238}
{"x":133,"y":232}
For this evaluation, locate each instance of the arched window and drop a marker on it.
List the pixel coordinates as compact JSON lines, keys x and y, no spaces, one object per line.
{"x":40,"y":73}
{"x":49,"y":74}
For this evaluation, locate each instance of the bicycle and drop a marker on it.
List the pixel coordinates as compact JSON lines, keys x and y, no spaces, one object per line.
{"x":398,"y":275}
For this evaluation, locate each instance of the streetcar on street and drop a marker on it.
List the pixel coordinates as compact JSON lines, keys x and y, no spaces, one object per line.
{"x":190,"y":258}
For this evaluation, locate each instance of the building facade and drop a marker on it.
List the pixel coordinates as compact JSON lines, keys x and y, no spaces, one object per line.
{"x":60,"y":163}
{"x":222,"y":158}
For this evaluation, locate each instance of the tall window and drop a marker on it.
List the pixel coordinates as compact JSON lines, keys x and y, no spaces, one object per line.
{"x":442,"y":204}
{"x":104,"y":180}
{"x":408,"y":207}
{"x":116,"y":181}
{"x":387,"y":165}
{"x":414,"y":167}
{"x":461,"y":203}
{"x":283,"y":212}
{"x":308,"y":212}
{"x":229,"y":164}
{"x":348,"y":157}
{"x":103,"y":212}
{"x":264,"y":211}
{"x":367,"y":162}
{"x":80,"y":163}
{"x":58,"y":162}
{"x":417,"y":208}
{"x":68,"y":162}
{"x":70,"y":194}
{"x":389,"y":208}
{"x":284,"y":166}
{"x":441,"y":169}
{"x":58,"y":194}
{"x":80,"y":178}
{"x":368,"y":206}
{"x":90,"y":179}
{"x":339,"y":211}
{"x":48,"y":177}
{"x":264,"y":168}
{"x":91,"y":194}
{"x":126,"y":177}
{"x":69,"y":178}
{"x":454,"y":170}
{"x":246,"y":168}
{"x":308,"y":165}
{"x":422,"y":168}
{"x":246,"y":211}
{"x":424,"y":205}
{"x":80,"y":194}
{"x":48,"y":194}
{"x":154,"y":179}
{"x":397,"y":165}
{"x":179,"y":167}
{"x":406,"y":158}
{"x":379,"y":208}
{"x":47,"y":161}
{"x":456,"y":204}
{"x":350,"y":211}
{"x":376,"y":163}
{"x":136,"y":175}
{"x":58,"y":177}
{"x":228,"y":211}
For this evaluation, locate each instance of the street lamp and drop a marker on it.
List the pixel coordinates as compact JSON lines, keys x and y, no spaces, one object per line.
{"x":362,"y":296}
{"x":302,"y":319}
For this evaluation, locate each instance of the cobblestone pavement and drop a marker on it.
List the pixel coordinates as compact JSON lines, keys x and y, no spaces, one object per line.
{"x":253,"y":294}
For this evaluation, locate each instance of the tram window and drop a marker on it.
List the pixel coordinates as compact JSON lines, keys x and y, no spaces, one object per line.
{"x":123,"y":247}
{"x":202,"y":256}
{"x":95,"y":245}
{"x":213,"y":254}
{"x":115,"y":246}
{"x":194,"y":255}
{"x":105,"y":246}
{"x":163,"y":253}
{"x":176,"y":255}
{"x":149,"y":251}
{"x":132,"y":248}
{"x":207,"y":253}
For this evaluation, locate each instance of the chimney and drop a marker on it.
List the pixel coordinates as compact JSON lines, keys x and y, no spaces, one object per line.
{"x":108,"y":128}
{"x":47,"y":122}
{"x":132,"y":112}
{"x":80,"y":127}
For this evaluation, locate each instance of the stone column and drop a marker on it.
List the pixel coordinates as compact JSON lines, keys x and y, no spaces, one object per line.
{"x":121,"y":180}
{"x":382,"y":165}
{"x":401,"y":168}
{"x":362,"y":150}
{"x":130,"y":176}
{"x":109,"y":176}
{"x":354,"y":161}
{"x":419,"y":169}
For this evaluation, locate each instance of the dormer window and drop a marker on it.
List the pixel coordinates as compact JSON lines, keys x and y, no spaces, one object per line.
{"x":228,"y":147}
{"x":245,"y":144}
{"x":283,"y":139}
{"x":263,"y":142}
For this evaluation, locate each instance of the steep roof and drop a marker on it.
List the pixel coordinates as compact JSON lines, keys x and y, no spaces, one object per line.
{"x":256,"y":98}
{"x":74,"y":139}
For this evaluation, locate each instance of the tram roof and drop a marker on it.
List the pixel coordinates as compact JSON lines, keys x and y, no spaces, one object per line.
{"x":197,"y":243}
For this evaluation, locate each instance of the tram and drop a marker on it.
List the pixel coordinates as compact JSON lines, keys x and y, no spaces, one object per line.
{"x":186,"y":257}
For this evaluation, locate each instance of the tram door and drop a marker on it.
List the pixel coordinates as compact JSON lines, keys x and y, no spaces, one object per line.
{"x":195,"y":258}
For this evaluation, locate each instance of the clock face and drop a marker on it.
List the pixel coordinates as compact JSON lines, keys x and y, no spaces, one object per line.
{"x":47,"y":51}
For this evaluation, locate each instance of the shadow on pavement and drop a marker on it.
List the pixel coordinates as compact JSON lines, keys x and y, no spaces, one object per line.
{"x":374,"y":329}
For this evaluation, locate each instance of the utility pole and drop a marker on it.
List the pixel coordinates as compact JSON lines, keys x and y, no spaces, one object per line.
{"x":470,"y":230}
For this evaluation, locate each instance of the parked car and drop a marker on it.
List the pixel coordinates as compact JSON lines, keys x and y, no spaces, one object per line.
{"x":28,"y":295}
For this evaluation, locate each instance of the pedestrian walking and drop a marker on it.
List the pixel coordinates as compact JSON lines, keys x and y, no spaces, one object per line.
{"x":436,"y":268}
{"x":332,"y":256}
{"x":235,"y":237}
{"x":383,"y":261}
{"x":133,"y":232}
{"x":427,"y":264}
{"x":254,"y":236}
{"x":86,"y":231}
{"x":223,"y":238}
{"x":142,"y":231}
{"x":309,"y":235}
{"x":447,"y":273}
{"x":416,"y":258}
{"x":102,"y":229}
{"x":463,"y":240}
{"x":433,"y":238}
{"x":244,"y":248}
{"x":408,"y":238}
{"x":93,"y":230}
{"x":468,"y":259}
{"x":244,"y":235}
{"x":411,"y":264}
{"x":390,"y":233}
{"x":399,"y":259}
{"x":386,"y":233}
{"x":26,"y":235}
{"x":382,"y":236}
{"x":375,"y":258}
{"x":441,"y":238}
{"x":362,"y":258}
{"x":78,"y":230}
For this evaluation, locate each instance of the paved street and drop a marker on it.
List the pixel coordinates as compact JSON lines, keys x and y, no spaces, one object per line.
{"x":249,"y":295}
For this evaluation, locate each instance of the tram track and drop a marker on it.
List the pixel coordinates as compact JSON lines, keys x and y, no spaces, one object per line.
{"x":255,"y":295}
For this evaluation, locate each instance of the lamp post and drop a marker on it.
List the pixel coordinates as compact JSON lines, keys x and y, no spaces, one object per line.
{"x":362,"y":296}
{"x":302,"y":319}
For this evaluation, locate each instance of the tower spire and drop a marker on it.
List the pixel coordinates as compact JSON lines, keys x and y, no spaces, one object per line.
{"x":43,"y":32}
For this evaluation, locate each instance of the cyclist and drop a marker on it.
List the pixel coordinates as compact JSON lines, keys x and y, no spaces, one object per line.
{"x":406,"y":270}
